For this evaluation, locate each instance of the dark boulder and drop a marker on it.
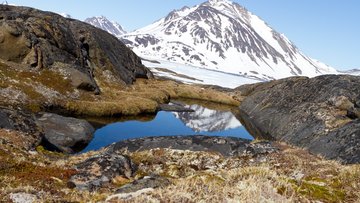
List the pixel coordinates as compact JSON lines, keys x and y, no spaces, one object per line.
{"x":65,"y":134}
{"x":227,"y":146}
{"x":100,"y":170}
{"x":312,"y":113}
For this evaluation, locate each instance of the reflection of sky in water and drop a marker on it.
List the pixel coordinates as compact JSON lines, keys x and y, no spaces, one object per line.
{"x":165,"y":123}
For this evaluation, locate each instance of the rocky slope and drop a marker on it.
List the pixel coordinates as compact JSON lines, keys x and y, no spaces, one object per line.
{"x":222,"y":35}
{"x":38,"y":48}
{"x":46,"y":61}
{"x":321,"y":114}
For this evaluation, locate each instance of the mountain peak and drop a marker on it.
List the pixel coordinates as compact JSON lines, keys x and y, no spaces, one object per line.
{"x":220,"y":2}
{"x":222,"y":35}
{"x":104,"y":23}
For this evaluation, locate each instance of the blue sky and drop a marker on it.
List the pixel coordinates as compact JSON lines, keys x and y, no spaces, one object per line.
{"x":327,"y":30}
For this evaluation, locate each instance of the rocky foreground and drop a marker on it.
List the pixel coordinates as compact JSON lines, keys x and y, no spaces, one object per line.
{"x":250,"y":172}
{"x":54,"y":70}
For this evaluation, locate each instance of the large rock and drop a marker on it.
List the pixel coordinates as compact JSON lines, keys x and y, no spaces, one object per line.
{"x":154,"y":181}
{"x":46,"y":40}
{"x":65,"y":134}
{"x":320,"y":114}
{"x":101,"y":170}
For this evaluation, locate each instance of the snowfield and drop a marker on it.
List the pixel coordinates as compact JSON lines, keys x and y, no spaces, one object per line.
{"x":199,"y":75}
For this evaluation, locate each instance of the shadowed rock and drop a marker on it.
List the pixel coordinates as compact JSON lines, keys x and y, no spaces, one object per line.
{"x":227,"y":146}
{"x":319,"y":114}
{"x":65,"y":134}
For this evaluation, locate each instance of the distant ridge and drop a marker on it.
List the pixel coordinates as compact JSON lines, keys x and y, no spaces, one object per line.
{"x":103,"y":23}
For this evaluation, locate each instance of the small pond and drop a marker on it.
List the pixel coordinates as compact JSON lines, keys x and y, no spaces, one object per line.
{"x":213,"y":120}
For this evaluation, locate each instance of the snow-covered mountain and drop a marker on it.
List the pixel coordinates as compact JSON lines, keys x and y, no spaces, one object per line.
{"x":223,"y":36}
{"x":352,"y":72}
{"x":207,"y":120}
{"x":65,"y":15}
{"x":103,"y":23}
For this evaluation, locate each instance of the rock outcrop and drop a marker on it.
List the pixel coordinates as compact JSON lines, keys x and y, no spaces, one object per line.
{"x":45,"y":41}
{"x":320,"y":114}
{"x":100,"y":170}
{"x":226,"y":146}
{"x":65,"y":134}
{"x":121,"y":162}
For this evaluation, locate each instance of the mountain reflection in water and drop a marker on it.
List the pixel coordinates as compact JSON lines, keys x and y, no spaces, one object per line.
{"x":204,"y":121}
{"x":208,"y":120}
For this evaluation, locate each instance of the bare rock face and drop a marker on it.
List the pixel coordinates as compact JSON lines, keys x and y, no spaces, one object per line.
{"x":320,"y":114}
{"x":48,"y":41}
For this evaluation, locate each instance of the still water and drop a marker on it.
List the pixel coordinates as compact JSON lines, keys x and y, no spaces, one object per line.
{"x":204,"y":121}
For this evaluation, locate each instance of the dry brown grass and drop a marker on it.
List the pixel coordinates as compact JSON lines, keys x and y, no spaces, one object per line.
{"x":248,"y":184}
{"x":38,"y":89}
{"x":42,"y":173}
{"x":125,"y":107}
{"x":292,"y":175}
{"x":143,"y":97}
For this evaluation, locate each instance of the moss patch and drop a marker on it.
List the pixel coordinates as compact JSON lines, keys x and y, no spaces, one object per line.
{"x":320,"y":192}
{"x":39,"y":87}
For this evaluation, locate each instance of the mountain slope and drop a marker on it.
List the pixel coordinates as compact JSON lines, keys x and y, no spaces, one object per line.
{"x":224,"y":36}
{"x":103,"y":23}
{"x":352,"y":72}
